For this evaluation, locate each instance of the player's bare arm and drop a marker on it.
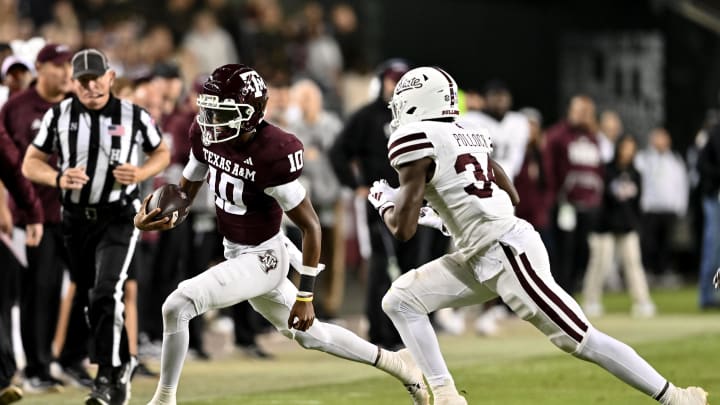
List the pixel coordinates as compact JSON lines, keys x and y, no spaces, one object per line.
{"x":145,"y":220}
{"x":402,"y":219}
{"x":302,"y":313}
{"x":504,"y":182}
{"x":36,"y":168}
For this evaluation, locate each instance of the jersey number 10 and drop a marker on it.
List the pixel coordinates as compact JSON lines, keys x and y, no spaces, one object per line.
{"x":461,"y":165}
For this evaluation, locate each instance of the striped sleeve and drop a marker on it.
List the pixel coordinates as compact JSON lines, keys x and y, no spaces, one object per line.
{"x":151,"y":133}
{"x":406,"y":148}
{"x":45,"y":140}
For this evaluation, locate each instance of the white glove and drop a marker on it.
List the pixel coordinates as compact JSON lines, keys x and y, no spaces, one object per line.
{"x":430,"y":218}
{"x":382,"y":196}
{"x":716,"y":279}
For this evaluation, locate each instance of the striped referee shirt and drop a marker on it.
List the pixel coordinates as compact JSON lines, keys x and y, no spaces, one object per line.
{"x":98,"y":140}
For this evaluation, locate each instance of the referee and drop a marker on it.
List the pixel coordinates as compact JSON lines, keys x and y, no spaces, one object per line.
{"x":97,"y":137}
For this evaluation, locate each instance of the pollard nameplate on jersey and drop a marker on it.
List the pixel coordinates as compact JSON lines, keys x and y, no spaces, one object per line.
{"x":239,"y":174}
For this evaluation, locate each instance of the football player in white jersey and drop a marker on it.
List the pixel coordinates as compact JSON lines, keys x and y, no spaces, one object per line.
{"x":498,"y":255}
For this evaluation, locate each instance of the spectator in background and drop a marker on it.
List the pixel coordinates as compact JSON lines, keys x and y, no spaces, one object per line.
{"x":509,"y":130}
{"x":709,"y":166}
{"x":157,"y":45}
{"x":24,"y":194}
{"x":167,"y":80}
{"x":265,"y":44}
{"x":532,"y":183}
{"x":611,"y":127}
{"x":16,"y":76}
{"x":664,"y":199}
{"x":617,"y":229}
{"x":208,"y":43}
{"x":317,"y":129}
{"x":349,"y":38}
{"x":323,"y":60}
{"x":359,"y":156}
{"x":41,"y":282}
{"x":277,"y":106}
{"x":575,"y":176}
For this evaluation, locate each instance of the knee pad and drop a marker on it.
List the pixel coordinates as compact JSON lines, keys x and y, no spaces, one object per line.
{"x":177,"y":311}
{"x":400,"y":299}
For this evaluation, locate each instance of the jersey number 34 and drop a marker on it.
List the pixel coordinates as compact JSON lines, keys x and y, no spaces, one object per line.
{"x":469,"y":163}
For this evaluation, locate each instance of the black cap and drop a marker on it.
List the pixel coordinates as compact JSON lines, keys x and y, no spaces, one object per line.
{"x":167,"y":70}
{"x":89,"y":62}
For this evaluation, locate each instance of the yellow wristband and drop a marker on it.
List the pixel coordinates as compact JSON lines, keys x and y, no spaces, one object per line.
{"x":304,"y":299}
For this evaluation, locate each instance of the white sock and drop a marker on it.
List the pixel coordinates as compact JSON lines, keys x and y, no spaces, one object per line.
{"x":174,"y":349}
{"x":419,"y":336}
{"x":338,"y":341}
{"x":624,"y":363}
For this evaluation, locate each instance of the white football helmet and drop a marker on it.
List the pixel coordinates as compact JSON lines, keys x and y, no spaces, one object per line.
{"x":424,"y":93}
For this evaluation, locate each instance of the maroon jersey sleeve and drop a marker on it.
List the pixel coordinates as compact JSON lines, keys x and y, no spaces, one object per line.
{"x":282,"y":156}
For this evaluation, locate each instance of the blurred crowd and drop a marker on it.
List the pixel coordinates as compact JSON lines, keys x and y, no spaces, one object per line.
{"x":614,"y":212}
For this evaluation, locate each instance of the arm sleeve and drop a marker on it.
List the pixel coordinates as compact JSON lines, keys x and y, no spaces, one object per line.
{"x":195,"y":170}
{"x":288,"y":195}
{"x":406,"y":148}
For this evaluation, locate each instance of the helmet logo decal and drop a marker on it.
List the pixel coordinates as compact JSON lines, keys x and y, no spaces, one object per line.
{"x":408,"y":84}
{"x":254,"y":82}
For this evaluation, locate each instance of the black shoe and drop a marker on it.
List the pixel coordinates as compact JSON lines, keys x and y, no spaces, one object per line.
{"x":142,"y":370}
{"x":101,"y":393}
{"x":122,"y":376}
{"x":42,"y":385}
{"x":255,"y":352}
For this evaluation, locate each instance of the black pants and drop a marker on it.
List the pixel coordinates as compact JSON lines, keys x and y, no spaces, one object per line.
{"x":572,"y":251}
{"x":385,"y":248}
{"x":40,"y":297}
{"x":100,"y":253}
{"x":656,"y":239}
{"x":9,"y":268}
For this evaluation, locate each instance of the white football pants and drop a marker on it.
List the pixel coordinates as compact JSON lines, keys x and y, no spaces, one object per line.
{"x":517,"y":269}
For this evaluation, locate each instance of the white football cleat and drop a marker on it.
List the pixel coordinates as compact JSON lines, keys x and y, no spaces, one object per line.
{"x":447,"y":394}
{"x":688,"y":396}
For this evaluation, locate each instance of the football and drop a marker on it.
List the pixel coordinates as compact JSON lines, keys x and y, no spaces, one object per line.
{"x":172,"y":201}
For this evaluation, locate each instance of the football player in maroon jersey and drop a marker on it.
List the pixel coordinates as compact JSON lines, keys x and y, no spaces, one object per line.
{"x":253,"y":166}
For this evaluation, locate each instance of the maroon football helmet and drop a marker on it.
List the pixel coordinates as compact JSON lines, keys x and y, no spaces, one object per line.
{"x":232,"y":101}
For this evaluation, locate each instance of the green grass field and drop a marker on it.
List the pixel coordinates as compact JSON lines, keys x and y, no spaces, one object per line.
{"x":520,"y":367}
